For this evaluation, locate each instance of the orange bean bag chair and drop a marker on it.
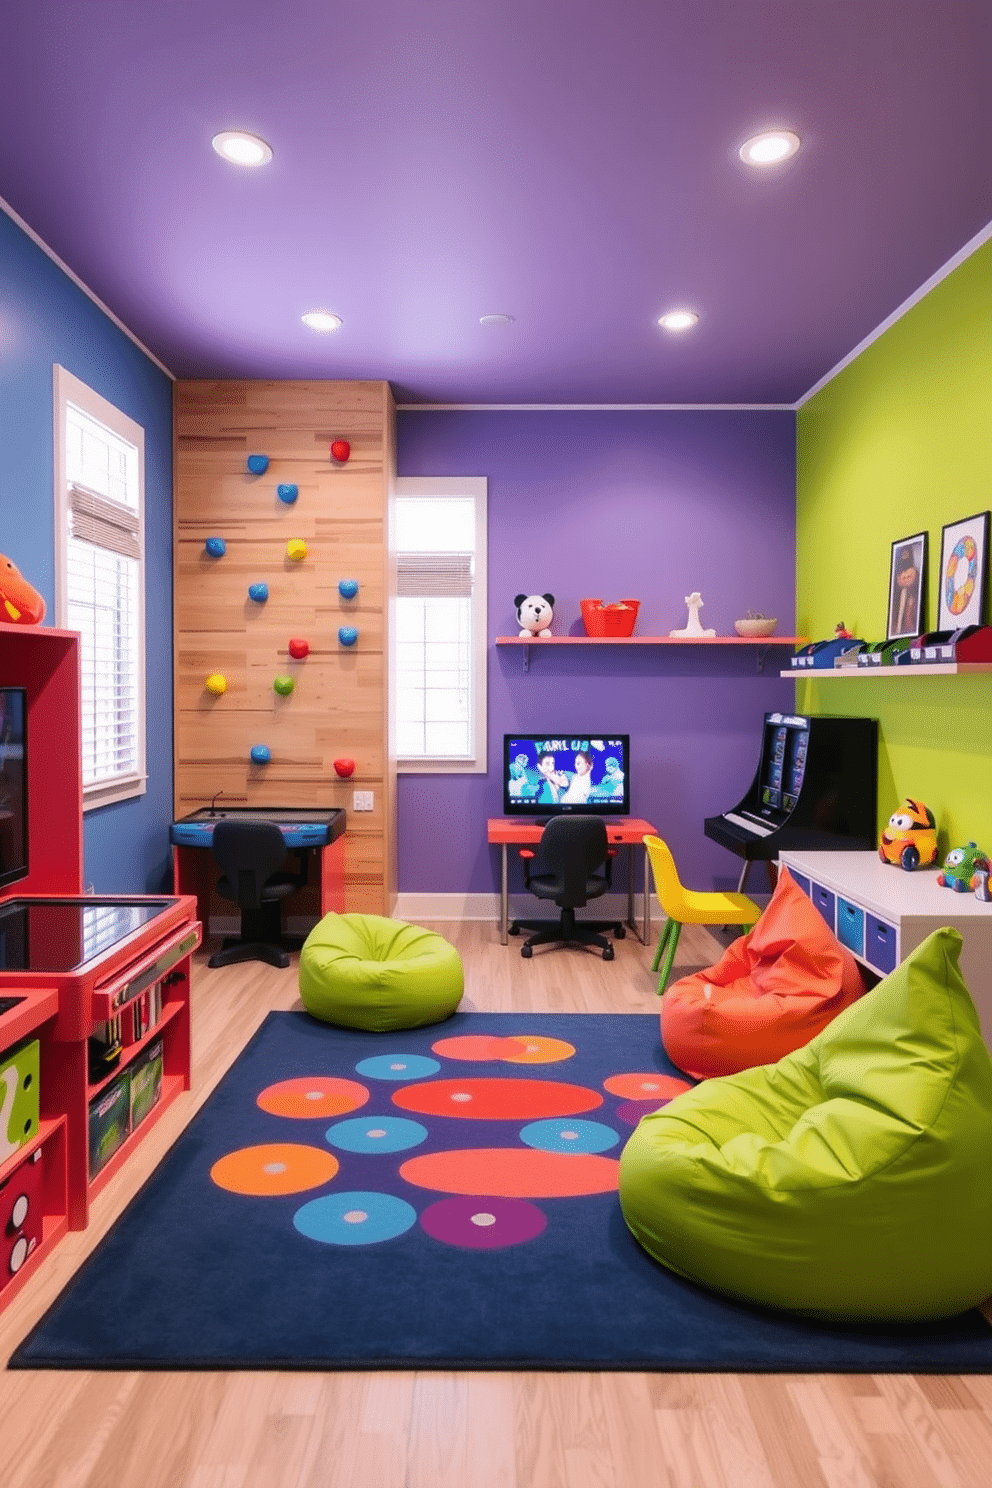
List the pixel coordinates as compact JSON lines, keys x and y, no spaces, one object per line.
{"x":771,"y":992}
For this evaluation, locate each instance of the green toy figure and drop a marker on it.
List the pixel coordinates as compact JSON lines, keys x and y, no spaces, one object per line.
{"x":961,"y":867}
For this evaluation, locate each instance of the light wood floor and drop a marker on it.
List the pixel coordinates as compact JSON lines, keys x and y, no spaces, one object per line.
{"x":440,"y":1430}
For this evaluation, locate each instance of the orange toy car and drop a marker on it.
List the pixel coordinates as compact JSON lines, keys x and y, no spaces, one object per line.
{"x":910,"y":836}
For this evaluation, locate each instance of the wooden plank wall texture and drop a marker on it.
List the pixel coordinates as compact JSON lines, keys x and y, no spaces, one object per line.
{"x":339,"y":704}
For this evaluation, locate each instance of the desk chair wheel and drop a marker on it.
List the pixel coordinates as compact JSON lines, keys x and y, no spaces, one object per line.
{"x":525,"y":950}
{"x":608,"y":953}
{"x":513,"y":929}
{"x":619,"y":933}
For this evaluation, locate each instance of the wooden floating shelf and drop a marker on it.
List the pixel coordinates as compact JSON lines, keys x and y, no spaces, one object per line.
{"x":925,"y":669}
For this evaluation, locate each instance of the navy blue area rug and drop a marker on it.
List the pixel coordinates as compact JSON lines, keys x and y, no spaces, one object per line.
{"x":437,"y":1199}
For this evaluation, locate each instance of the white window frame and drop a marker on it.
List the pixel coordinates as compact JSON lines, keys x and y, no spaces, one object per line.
{"x":70,"y":390}
{"x":439,"y":487}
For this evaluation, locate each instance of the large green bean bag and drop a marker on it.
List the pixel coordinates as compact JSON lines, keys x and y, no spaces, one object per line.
{"x":848,"y":1181}
{"x":365,"y":971}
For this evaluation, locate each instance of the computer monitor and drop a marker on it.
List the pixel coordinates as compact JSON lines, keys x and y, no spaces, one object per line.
{"x":546,"y":774}
{"x":13,"y":785}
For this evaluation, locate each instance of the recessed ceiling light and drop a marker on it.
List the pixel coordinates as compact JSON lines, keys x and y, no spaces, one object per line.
{"x":322,"y":320}
{"x":770,"y":148}
{"x":496,"y":319}
{"x":242,"y":149}
{"x":678,"y":320}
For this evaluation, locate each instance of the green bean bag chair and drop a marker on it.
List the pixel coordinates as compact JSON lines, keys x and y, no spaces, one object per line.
{"x":849,"y":1181}
{"x":365,"y":971}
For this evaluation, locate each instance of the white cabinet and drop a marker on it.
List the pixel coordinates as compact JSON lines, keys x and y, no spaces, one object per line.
{"x":881,"y":913}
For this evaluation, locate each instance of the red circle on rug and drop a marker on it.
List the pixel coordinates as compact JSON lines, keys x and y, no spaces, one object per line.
{"x":512,"y":1172}
{"x":477,"y":1046}
{"x":312,"y":1096}
{"x":645,"y":1086}
{"x":274,"y":1168}
{"x":496,"y":1100}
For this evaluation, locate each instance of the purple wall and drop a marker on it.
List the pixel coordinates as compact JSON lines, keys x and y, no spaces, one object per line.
{"x":609,"y":505}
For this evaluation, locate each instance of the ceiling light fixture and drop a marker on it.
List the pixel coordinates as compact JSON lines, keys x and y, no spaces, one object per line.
{"x":241,"y":148}
{"x":322,"y":320}
{"x":678,"y":320}
{"x":770,"y":148}
{"x":497,"y":320}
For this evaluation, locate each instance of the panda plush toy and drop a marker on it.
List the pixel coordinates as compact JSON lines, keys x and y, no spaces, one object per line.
{"x":535,"y":613}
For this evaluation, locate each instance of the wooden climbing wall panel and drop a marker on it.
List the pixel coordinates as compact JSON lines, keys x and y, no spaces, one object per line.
{"x":338,"y":706}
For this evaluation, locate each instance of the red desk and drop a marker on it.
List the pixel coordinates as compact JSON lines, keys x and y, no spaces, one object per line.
{"x":622,"y":831}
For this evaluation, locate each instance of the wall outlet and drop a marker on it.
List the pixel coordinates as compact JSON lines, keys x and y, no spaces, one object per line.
{"x":363,"y":801}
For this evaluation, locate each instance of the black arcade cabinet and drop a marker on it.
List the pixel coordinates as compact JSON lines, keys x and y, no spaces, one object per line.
{"x":815,"y":787}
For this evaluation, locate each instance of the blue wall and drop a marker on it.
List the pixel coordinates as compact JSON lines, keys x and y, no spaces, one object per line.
{"x":45,"y":318}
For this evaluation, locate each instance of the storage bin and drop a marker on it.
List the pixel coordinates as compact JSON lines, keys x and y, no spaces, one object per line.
{"x":616,"y":619}
{"x":851,"y":926}
{"x":825,"y":902}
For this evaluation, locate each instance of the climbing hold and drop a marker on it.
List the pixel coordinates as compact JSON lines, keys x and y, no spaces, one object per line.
{"x":296,"y":549}
{"x":347,"y":588}
{"x":260,"y":754}
{"x":258,"y":464}
{"x":216,"y":547}
{"x":298,"y":648}
{"x":344,"y":767}
{"x":283,"y":685}
{"x":258,"y":592}
{"x":347,"y":635}
{"x":216,"y":684}
{"x":287,"y":493}
{"x":340,"y":450}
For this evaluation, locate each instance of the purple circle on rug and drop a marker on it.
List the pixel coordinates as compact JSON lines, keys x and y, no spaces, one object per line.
{"x":631,"y":1112}
{"x":483,"y":1224}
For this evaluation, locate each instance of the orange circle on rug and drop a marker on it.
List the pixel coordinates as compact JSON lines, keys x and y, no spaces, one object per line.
{"x":274,"y":1168}
{"x":645,"y":1086}
{"x":312,"y":1096}
{"x":477,"y":1046}
{"x":512,"y":1173}
{"x":537,"y":1050}
{"x":496,"y":1100}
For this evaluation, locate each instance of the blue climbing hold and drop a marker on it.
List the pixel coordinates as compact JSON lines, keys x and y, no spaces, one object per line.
{"x":258,"y":592}
{"x":216,"y":547}
{"x":260,"y":754}
{"x":347,"y":588}
{"x":347,"y":635}
{"x":287,"y":493}
{"x":258,"y":464}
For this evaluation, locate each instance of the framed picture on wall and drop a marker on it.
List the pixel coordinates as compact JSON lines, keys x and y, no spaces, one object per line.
{"x":964,"y":552}
{"x":907,"y":587}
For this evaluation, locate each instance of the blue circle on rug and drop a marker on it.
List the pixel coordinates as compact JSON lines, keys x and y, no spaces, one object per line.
{"x":397,"y":1067}
{"x":354,"y":1218}
{"x":566,"y":1135}
{"x":376,"y":1134}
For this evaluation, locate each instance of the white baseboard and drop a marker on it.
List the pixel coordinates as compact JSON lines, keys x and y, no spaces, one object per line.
{"x":417,"y":907}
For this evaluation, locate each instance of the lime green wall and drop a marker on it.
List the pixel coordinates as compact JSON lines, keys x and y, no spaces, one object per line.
{"x":900,"y":442}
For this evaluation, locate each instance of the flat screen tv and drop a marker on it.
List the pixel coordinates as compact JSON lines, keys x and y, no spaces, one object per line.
{"x":545,"y":774}
{"x":13,"y":785}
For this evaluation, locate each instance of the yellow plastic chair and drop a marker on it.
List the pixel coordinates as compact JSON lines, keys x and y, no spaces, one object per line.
{"x":689,"y":906}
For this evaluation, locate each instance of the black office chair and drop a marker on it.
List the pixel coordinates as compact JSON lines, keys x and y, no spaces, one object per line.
{"x":249,"y":855}
{"x":571,"y":850}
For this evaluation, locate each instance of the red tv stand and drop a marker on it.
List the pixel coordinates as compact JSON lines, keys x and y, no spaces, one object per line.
{"x":68,"y":963}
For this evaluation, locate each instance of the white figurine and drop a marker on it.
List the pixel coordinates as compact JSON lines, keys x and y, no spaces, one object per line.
{"x":692,"y":625}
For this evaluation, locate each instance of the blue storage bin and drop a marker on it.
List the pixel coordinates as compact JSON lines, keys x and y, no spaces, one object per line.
{"x":880,"y":944}
{"x":851,"y":926}
{"x":825,"y":902}
{"x":801,"y":880}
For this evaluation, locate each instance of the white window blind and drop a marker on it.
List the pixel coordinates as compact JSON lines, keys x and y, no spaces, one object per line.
{"x":101,"y":585}
{"x":438,"y":679}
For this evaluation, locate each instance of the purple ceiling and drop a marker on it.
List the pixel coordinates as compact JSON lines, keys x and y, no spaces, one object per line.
{"x":568,"y":162}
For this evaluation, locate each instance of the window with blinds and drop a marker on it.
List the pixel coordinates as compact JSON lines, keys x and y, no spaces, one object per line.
{"x":438,"y":690}
{"x":100,"y":582}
